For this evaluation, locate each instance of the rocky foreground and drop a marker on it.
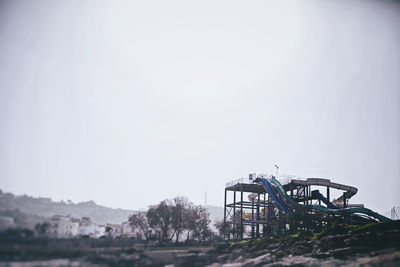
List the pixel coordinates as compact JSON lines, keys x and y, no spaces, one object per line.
{"x":375,"y":244}
{"x":370,"y":245}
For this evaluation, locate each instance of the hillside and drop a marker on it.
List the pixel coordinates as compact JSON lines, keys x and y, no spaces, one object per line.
{"x":45,"y":207}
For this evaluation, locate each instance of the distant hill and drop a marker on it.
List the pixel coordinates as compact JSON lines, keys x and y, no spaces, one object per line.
{"x":45,"y":207}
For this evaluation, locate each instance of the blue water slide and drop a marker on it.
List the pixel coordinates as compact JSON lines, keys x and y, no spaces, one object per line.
{"x":351,"y":210}
{"x":279,"y":204}
{"x":293,"y":204}
{"x":321,"y":197}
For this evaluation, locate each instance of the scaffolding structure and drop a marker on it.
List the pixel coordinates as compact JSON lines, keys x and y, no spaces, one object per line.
{"x":251,"y":212}
{"x":233,"y":212}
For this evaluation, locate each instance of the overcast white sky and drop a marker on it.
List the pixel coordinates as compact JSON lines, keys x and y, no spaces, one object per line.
{"x":130,"y":102}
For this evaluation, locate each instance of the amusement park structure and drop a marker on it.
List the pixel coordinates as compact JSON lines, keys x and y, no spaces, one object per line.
{"x":273,"y":207}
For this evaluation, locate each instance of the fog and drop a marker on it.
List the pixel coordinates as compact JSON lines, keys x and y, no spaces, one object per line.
{"x":130,"y":102}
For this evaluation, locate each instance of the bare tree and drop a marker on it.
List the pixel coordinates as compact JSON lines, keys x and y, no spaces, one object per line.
{"x":201,"y":230}
{"x":179,"y":208}
{"x":171,"y":218}
{"x":191,"y":219}
{"x":139,"y":221}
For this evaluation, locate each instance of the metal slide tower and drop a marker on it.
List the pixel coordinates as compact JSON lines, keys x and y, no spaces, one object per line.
{"x":262,"y":206}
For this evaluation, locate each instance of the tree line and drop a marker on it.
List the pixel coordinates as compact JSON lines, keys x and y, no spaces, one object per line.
{"x":174,"y":219}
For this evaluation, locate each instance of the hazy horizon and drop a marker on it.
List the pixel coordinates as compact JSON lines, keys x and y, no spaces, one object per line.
{"x":127,"y":103}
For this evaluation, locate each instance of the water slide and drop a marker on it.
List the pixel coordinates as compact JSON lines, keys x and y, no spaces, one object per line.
{"x":278,"y":203}
{"x":289,"y":204}
{"x":350,"y":190}
{"x":316,"y":194}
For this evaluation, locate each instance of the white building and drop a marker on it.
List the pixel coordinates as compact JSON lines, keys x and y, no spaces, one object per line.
{"x":92,"y":230}
{"x":116,"y":230}
{"x":64,"y":226}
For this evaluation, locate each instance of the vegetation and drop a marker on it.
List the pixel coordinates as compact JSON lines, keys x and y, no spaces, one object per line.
{"x":27,"y":210}
{"x":169,"y":219}
{"x":42,"y":229}
{"x":223,"y":228}
{"x":373,"y":235}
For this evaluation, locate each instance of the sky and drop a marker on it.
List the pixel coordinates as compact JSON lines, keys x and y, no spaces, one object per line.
{"x":128,"y":103}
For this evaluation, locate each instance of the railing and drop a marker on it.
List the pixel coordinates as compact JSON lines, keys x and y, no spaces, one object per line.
{"x":283,"y":179}
{"x":236,"y":181}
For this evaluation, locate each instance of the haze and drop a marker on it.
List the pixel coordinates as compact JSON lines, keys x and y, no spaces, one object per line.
{"x":130,"y":102}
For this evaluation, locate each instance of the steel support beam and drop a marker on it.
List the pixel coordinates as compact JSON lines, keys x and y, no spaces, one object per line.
{"x":234,"y":213}
{"x":241,"y":212}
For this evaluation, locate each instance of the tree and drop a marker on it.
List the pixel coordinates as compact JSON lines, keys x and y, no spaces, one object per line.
{"x":86,"y":221}
{"x":109,"y":231}
{"x":42,"y":228}
{"x":201,"y":230}
{"x":223,"y":228}
{"x":139,"y":220}
{"x":192,"y":217}
{"x":179,"y":209}
{"x":172,"y":218}
{"x":160,"y":219}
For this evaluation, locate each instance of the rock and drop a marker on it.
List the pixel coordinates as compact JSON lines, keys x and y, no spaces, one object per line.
{"x":319,"y":255}
{"x":342,"y":252}
{"x":258,"y":261}
{"x":387,"y":260}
